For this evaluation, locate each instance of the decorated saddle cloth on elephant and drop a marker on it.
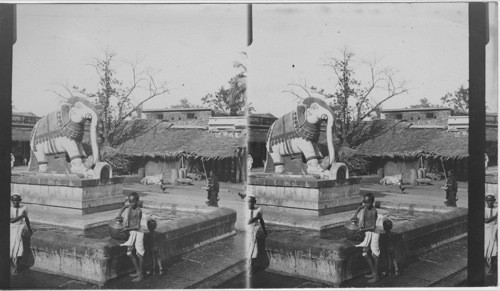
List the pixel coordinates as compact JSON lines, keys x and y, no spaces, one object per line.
{"x":57,"y":124}
{"x":293,"y":125}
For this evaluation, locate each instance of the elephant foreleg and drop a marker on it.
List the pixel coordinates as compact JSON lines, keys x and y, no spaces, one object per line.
{"x":41,"y":158}
{"x":277,"y":159}
{"x":81,"y":150}
{"x":312,"y":155}
{"x":75,"y":155}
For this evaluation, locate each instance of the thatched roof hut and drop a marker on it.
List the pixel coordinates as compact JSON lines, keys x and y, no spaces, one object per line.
{"x":167,"y":142}
{"x":402,"y":141}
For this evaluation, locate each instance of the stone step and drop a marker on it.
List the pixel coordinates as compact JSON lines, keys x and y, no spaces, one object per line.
{"x":68,"y":219}
{"x":222,"y":276}
{"x":320,"y":223}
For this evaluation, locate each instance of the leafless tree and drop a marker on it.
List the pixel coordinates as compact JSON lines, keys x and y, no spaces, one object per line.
{"x":114,"y":97}
{"x":353,"y":100}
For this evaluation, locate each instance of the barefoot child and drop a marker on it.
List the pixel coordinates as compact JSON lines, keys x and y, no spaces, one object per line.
{"x":367,"y":224}
{"x":135,"y":242}
{"x":391,"y":254}
{"x":153,"y":248}
{"x":18,"y":221}
{"x":490,"y":232}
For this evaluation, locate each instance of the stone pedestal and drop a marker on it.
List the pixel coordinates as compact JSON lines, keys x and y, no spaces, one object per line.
{"x":332,"y":259}
{"x":72,"y":214}
{"x":97,"y":258}
{"x":303,"y":200}
{"x":54,"y":197}
{"x":305,"y":216}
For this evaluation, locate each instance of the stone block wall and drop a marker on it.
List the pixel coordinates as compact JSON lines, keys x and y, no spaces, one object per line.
{"x":97,"y":260}
{"x":184,"y":117}
{"x":439,"y":117}
{"x":69,"y":195}
{"x":304,"y":196}
{"x":304,"y":254}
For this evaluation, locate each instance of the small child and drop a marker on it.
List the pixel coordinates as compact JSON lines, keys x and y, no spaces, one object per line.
{"x":391,"y":254}
{"x":153,"y":248}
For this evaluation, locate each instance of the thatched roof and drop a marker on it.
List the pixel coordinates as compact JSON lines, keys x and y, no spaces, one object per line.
{"x":21,"y":133}
{"x":164,"y":141}
{"x":263,"y":115}
{"x":405,"y":142}
{"x":30,"y":114}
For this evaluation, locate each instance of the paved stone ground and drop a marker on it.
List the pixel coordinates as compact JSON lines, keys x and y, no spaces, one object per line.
{"x":194,"y":195}
{"x":444,"y":266}
{"x":185,"y":271}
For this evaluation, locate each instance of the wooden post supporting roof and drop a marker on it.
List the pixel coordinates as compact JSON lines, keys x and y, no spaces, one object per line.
{"x":478,"y":23}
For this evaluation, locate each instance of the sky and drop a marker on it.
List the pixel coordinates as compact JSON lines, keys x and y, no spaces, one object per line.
{"x":426,"y":45}
{"x":191,"y":47}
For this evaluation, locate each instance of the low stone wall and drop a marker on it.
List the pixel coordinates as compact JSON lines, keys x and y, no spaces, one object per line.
{"x":304,"y":253}
{"x":97,"y":259}
{"x":307,"y":196}
{"x":69,"y":195}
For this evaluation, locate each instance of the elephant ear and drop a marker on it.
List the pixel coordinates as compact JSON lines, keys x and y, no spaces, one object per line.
{"x":301,"y":116}
{"x":63,"y":115}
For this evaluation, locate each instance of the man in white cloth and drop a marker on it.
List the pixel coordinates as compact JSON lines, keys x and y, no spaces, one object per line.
{"x":490,"y":232}
{"x":256,"y":248}
{"x":19,"y":223}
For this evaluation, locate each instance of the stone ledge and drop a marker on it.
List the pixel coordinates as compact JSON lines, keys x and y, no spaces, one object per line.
{"x":68,"y":252}
{"x":81,"y":204}
{"x":61,"y":180}
{"x":70,"y":193}
{"x":297,"y":181}
{"x":414,"y":207}
{"x":304,"y":253}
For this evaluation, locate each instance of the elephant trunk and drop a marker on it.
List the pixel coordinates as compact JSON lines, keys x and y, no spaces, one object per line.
{"x":93,"y":137}
{"x":329,"y":136}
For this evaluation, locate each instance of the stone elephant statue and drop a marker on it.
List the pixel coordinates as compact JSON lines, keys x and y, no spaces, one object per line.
{"x":298,"y":132}
{"x":62,"y":131}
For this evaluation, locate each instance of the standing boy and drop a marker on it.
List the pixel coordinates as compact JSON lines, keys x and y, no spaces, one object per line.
{"x":153,"y":247}
{"x":367,"y":224}
{"x":135,"y":242}
{"x":390,"y":248}
{"x":490,"y":232}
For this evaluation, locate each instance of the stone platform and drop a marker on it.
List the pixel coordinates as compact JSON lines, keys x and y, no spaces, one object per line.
{"x":304,"y":201}
{"x":63,"y":196}
{"x":96,"y":257}
{"x":305,"y":216}
{"x":330,"y":258}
